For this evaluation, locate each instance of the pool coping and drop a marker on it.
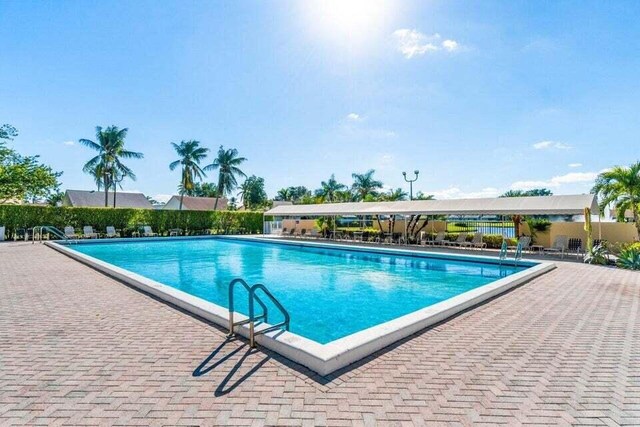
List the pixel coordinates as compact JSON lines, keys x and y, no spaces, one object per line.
{"x":321,"y":358}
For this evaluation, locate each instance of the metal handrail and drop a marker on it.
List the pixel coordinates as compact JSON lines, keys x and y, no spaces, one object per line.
{"x":518,"y":255}
{"x":503,"y":251}
{"x":252,"y":296}
{"x":232,"y":325}
{"x":51,"y":229}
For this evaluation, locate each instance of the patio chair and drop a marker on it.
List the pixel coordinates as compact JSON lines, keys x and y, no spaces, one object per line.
{"x":148,"y":232}
{"x":313,"y":233}
{"x":70,"y":232}
{"x":284,"y":231}
{"x":460,"y":241}
{"x":476,"y":242}
{"x":111,"y":232}
{"x":303,"y":233}
{"x":88,"y":232}
{"x":292,"y":232}
{"x":560,"y":245}
{"x":438,"y":240}
{"x":175,"y":232}
{"x":525,"y":243}
{"x":575,"y":246}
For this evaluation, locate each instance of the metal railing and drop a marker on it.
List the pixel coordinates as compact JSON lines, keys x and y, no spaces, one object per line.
{"x":503,"y":228}
{"x":285,"y":313}
{"x":232,"y":325}
{"x":41,"y":229}
{"x":253,"y":318}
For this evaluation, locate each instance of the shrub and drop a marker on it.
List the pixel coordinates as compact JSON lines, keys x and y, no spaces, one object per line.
{"x":598,"y":255}
{"x":15,"y":217}
{"x":629,"y":258}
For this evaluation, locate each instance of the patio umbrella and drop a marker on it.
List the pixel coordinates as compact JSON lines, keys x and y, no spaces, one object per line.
{"x":587,"y":228}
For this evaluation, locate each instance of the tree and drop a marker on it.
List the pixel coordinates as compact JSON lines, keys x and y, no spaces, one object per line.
{"x":253,"y":193}
{"x":364,"y":184}
{"x":528,"y":193}
{"x":620,"y":187}
{"x":517,"y":219}
{"x":107,"y":166}
{"x":293,"y":194}
{"x":205,"y":189}
{"x":8,"y":132}
{"x":393,"y":195}
{"x":23,"y":178}
{"x":191,"y":154}
{"x":227,"y":164}
{"x":328,"y":191}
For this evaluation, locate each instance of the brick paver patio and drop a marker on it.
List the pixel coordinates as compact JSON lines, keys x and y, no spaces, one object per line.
{"x":77,"y":347}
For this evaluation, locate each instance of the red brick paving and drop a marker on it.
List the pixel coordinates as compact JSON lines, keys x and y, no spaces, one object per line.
{"x":77,"y":347}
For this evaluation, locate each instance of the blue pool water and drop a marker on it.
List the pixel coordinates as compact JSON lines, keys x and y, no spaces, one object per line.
{"x":329,"y":293}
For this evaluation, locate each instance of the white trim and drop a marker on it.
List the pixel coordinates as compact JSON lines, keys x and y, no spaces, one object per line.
{"x":324,"y":358}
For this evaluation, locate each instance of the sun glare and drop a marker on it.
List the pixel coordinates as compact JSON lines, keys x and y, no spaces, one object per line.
{"x":349,"y":22}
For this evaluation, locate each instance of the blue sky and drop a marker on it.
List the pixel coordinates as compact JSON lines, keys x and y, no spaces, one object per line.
{"x":480,"y":97}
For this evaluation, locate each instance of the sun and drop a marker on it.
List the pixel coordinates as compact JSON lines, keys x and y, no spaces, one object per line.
{"x":348,"y":22}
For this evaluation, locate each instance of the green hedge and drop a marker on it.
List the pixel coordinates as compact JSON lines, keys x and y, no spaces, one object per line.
{"x":15,"y":217}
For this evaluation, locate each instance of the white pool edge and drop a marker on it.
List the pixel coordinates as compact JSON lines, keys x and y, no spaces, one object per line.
{"x":324,"y":358}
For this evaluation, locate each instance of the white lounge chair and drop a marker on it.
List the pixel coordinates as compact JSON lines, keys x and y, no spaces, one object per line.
{"x":88,"y":232}
{"x":438,"y":240}
{"x":313,"y":233}
{"x":148,"y":232}
{"x":476,"y":242}
{"x":111,"y":232}
{"x":461,"y":240}
{"x":70,"y":232}
{"x":525,"y":243}
{"x":560,"y":246}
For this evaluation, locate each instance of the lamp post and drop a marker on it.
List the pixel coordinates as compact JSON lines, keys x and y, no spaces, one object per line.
{"x":411,"y":181}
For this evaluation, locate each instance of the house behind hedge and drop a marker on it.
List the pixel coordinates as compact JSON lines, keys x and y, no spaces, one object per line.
{"x":196,"y":203}
{"x":95,"y":199}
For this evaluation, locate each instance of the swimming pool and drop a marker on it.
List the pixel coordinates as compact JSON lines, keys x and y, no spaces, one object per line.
{"x":332,"y":293}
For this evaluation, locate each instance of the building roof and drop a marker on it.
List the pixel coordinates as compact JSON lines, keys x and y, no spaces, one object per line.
{"x":542,"y":205}
{"x":95,"y":199}
{"x":198,"y":203}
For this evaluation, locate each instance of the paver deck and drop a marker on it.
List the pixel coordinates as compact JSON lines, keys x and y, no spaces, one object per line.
{"x":77,"y":347}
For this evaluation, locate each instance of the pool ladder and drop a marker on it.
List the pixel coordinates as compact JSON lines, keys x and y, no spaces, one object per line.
{"x":516,"y":257}
{"x":39,"y":231}
{"x":253,"y":318}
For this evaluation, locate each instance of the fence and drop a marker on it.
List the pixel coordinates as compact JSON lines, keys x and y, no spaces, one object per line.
{"x":504,"y":228}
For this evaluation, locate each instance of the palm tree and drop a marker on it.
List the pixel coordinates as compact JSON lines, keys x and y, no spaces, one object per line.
{"x":364,"y":184}
{"x":394,"y":195}
{"x":329,"y":190}
{"x":191,"y":154}
{"x":107,"y":167}
{"x":227,"y":163}
{"x":284,"y":194}
{"x":620,"y":186}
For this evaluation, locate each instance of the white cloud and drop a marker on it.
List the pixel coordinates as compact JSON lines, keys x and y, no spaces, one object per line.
{"x":457,"y":193}
{"x":69,"y":143}
{"x":354,"y":117}
{"x":556,"y":181}
{"x":413,"y":43}
{"x":575,"y":165}
{"x":450,"y":45}
{"x":544,"y":145}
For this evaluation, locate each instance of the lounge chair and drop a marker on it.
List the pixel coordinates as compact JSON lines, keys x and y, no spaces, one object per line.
{"x":284,"y":231}
{"x":88,"y":232}
{"x":148,"y":232}
{"x":438,"y":240}
{"x":313,"y":233}
{"x":560,"y":246}
{"x":292,"y":232}
{"x":476,"y":242}
{"x":111,"y":232}
{"x":70,"y":233}
{"x":460,"y":241}
{"x":525,"y":243}
{"x":575,"y":246}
